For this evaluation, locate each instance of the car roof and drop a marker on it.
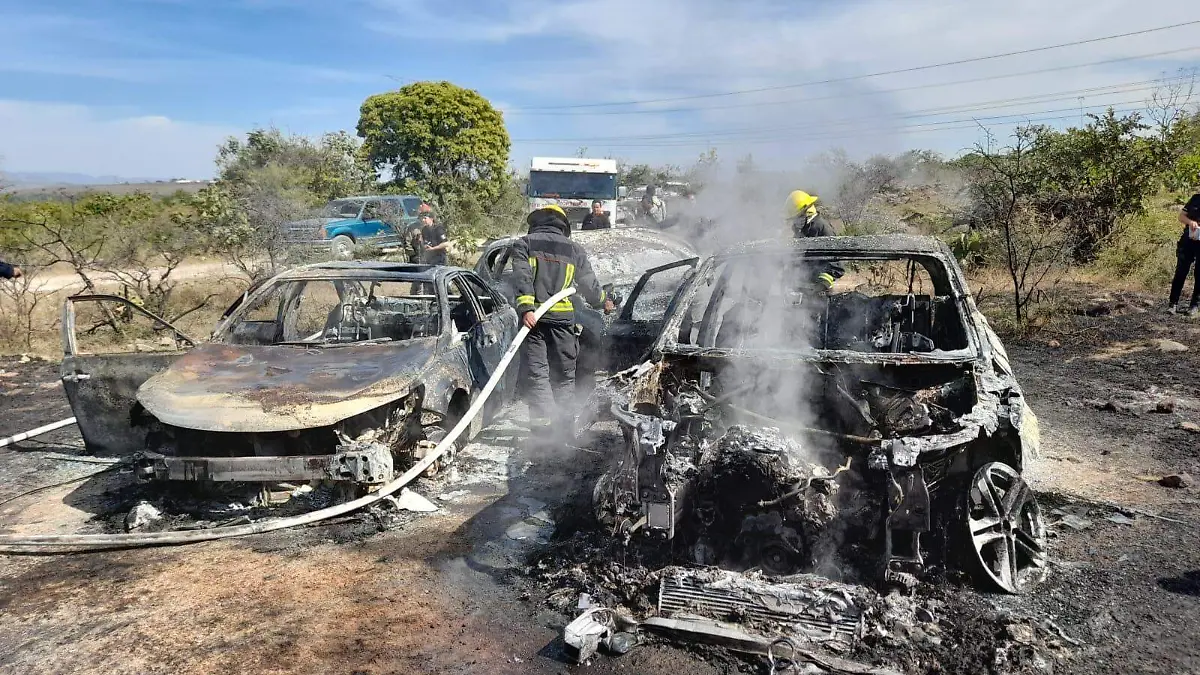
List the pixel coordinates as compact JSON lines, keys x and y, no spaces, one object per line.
{"x":387,"y":197}
{"x":862,"y":244}
{"x":375,"y":268}
{"x":621,"y":254}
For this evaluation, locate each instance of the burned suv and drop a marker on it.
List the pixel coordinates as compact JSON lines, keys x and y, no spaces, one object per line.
{"x":872,"y":431}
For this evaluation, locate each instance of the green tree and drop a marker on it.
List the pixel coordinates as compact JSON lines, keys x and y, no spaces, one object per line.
{"x":1094,"y":176}
{"x":333,"y":166}
{"x":437,"y":135}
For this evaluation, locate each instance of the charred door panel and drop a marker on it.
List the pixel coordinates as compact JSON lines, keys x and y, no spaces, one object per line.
{"x":642,"y":315}
{"x":102,"y":387}
{"x":102,"y":391}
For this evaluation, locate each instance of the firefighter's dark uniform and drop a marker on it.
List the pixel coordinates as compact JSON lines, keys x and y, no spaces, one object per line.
{"x":813,"y":224}
{"x":546,"y":261}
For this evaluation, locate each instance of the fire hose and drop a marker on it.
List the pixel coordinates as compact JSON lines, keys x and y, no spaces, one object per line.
{"x":17,"y":544}
{"x":37,"y":432}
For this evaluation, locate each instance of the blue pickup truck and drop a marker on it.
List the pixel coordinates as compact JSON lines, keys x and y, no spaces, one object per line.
{"x":344,"y":223}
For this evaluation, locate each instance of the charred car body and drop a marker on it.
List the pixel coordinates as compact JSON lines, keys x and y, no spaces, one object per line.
{"x":877,"y":428}
{"x":336,"y":371}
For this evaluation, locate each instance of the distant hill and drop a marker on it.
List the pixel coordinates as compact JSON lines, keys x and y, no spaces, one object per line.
{"x":65,"y":190}
{"x":47,"y":178}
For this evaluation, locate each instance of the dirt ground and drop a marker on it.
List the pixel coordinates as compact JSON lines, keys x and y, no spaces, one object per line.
{"x":449,"y":592}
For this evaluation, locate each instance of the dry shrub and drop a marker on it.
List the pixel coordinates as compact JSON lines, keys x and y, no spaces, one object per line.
{"x":27,"y":316}
{"x":1141,"y":249}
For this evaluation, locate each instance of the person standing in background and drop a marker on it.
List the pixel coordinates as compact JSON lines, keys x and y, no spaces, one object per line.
{"x":1187,"y":257}
{"x":596,"y":219}
{"x":434,"y":244}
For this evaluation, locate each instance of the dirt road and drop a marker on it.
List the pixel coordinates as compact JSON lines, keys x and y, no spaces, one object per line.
{"x":448,"y":593}
{"x":61,"y":278}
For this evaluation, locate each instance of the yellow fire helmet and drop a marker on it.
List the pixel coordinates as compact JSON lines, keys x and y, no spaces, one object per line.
{"x":800,"y":201}
{"x":556,"y":208}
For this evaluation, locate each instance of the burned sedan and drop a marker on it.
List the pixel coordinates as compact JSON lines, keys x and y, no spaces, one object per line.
{"x":869,"y":433}
{"x":339,"y":371}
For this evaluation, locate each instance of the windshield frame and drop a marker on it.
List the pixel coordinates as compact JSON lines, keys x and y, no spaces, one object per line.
{"x":225,"y":331}
{"x":606,"y":194}
{"x":668,"y":339}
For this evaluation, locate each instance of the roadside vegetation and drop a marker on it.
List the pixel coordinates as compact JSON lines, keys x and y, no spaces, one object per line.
{"x":1027,"y":214}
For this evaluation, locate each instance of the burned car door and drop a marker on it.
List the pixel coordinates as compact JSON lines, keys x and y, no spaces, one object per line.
{"x":643,"y":313}
{"x":494,"y":333}
{"x":475,"y":334}
{"x":111,"y":346}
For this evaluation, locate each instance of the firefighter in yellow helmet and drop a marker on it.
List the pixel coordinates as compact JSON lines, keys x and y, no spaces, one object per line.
{"x":806,"y":222}
{"x":546,"y":261}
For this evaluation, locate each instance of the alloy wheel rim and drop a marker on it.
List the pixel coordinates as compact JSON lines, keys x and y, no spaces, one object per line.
{"x":1005,"y":524}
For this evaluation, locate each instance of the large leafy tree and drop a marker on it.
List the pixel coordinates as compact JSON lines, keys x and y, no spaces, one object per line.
{"x":437,"y":135}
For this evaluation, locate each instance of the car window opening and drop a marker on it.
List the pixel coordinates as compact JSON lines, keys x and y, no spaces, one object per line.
{"x":897,"y":305}
{"x":323,"y":312}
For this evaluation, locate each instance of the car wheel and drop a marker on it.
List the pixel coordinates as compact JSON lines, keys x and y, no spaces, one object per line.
{"x":342,"y":247}
{"x":1005,"y":537}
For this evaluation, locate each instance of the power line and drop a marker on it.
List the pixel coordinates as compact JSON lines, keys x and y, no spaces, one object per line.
{"x":878,"y":92}
{"x":983,"y":106}
{"x":946,"y":125}
{"x":852,"y":78}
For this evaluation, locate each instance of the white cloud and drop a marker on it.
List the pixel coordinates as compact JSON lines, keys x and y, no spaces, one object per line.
{"x":59,"y":137}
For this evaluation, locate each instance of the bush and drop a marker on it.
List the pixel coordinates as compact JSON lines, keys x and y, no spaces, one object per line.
{"x":1185,"y":174}
{"x":1142,"y":248}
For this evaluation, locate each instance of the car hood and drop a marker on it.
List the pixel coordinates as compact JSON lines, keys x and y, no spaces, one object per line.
{"x":318,"y":222}
{"x":236,"y":388}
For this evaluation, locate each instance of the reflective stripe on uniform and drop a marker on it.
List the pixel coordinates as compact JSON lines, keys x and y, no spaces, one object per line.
{"x":826,"y":278}
{"x":526,"y":300}
{"x":568,"y":278}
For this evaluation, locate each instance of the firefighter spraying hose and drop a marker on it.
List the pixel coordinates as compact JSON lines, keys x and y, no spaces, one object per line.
{"x":17,"y":544}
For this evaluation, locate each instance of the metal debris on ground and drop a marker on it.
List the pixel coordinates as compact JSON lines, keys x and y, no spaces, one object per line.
{"x":814,"y":609}
{"x":599,"y":627}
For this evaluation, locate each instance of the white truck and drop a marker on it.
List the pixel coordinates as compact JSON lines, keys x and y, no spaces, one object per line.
{"x":573,"y":183}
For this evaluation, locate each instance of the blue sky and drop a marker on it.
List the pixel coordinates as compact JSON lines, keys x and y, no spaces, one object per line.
{"x":149,"y":87}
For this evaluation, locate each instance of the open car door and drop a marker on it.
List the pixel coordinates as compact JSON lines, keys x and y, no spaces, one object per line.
{"x":111,"y":346}
{"x":643,"y":312}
